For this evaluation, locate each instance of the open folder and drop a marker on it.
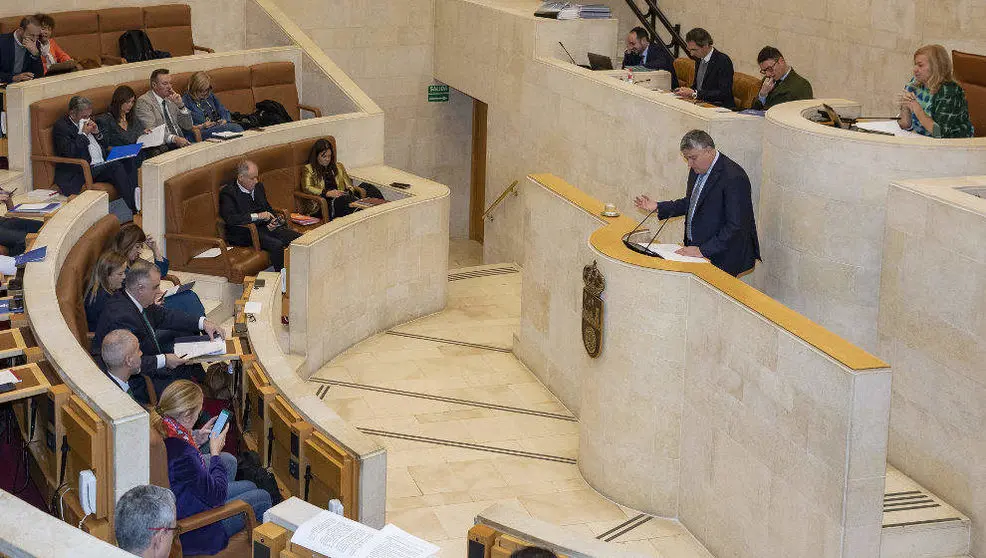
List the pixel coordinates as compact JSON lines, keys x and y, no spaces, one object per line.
{"x":123,"y":151}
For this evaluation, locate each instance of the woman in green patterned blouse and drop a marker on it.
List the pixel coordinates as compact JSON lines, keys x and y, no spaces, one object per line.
{"x":932,"y":103}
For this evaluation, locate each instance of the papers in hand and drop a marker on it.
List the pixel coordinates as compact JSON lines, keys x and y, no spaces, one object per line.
{"x":197,"y":346}
{"x":667,"y":252}
{"x":36,"y":255}
{"x":178,"y":289}
{"x":153,"y":138}
{"x":8,"y":377}
{"x":336,"y":536}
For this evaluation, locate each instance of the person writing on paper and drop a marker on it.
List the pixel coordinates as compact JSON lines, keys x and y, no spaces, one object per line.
{"x":144,"y":521}
{"x":20,"y":56}
{"x":244,"y":202}
{"x":326,"y":177}
{"x":105,"y":280}
{"x":718,"y":209}
{"x":201,"y":482}
{"x":641,"y":52}
{"x":132,"y":242}
{"x":133,"y":308}
{"x":76,"y":136}
{"x":119,"y":123}
{"x":121,"y":356}
{"x":780,"y":82}
{"x":14,"y":230}
{"x":162,"y":105}
{"x":51,"y":53}
{"x":208,"y":113}
{"x":713,"y":71}
{"x":932,"y":103}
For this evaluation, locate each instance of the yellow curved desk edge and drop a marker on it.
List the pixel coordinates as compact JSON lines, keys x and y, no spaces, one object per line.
{"x":608,"y":240}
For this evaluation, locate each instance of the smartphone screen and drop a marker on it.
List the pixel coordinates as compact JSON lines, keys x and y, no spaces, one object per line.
{"x":220,"y":424}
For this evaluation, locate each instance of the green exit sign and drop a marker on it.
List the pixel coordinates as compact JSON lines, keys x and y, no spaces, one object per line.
{"x":437,"y":93}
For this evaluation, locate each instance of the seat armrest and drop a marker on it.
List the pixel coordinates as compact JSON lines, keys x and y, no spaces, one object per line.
{"x":215,"y":242}
{"x":225,"y":511}
{"x":173,"y":279}
{"x":202,"y":48}
{"x":252,"y":227}
{"x":110,"y":60}
{"x":323,"y":204}
{"x":86,"y":169}
{"x":316,"y":111}
{"x":151,"y":393}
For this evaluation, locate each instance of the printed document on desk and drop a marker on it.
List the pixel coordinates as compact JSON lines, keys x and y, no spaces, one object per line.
{"x":336,"y":536}
{"x":153,"y":138}
{"x":667,"y":252}
{"x":887,"y":127}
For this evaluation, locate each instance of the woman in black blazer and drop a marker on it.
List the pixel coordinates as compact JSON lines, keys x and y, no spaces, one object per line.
{"x":119,"y":124}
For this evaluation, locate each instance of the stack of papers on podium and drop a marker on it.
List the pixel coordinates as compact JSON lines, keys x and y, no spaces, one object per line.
{"x":557,"y":10}
{"x":667,"y":252}
{"x":199,"y":345}
{"x":336,"y":536}
{"x":594,"y":11}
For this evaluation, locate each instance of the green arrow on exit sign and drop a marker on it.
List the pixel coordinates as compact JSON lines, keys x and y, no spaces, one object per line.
{"x":437,"y":93}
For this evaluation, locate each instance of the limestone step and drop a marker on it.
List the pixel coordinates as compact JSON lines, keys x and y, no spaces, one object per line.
{"x":10,"y":179}
{"x":918,"y":524}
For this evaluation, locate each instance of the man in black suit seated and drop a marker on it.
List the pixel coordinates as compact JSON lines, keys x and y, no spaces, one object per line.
{"x":244,"y":201}
{"x":713,"y":71}
{"x":135,"y":309}
{"x":121,"y":362}
{"x":14,"y":230}
{"x":641,"y":52}
{"x":718,"y":209}
{"x":20,"y":56}
{"x":76,"y":136}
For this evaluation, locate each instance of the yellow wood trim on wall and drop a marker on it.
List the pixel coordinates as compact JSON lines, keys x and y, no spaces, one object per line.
{"x":608,"y":240}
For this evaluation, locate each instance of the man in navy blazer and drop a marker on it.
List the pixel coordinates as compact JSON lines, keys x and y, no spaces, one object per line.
{"x":20,"y":56}
{"x":718,"y":209}
{"x":641,"y":52}
{"x":713,"y":71}
{"x":135,"y":309}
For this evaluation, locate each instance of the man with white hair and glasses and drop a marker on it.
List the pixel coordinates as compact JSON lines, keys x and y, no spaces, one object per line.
{"x":145,"y":521}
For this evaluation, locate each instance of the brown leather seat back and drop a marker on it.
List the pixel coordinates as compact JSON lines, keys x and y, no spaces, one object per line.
{"x":169,"y":27}
{"x":684,"y":68}
{"x":113,"y":22}
{"x":159,"y":461}
{"x":78,"y":34}
{"x":232,"y":86}
{"x":970,"y":73}
{"x":191,"y":209}
{"x":279,"y":175}
{"x":745,"y":89}
{"x":275,"y":81}
{"x":301,"y":150}
{"x":179,"y":81}
{"x":74,"y":274}
{"x":9,"y":24}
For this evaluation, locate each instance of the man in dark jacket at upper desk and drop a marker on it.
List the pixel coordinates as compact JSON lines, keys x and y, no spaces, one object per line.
{"x":135,"y":309}
{"x":780,"y":82}
{"x":718,"y":209}
{"x":20,"y":56}
{"x":244,"y":201}
{"x":641,"y":52}
{"x":713,"y":71}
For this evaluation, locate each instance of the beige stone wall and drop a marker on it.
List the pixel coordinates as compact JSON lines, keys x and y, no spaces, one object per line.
{"x":342,"y":294}
{"x":387,"y":48}
{"x":933,"y":330}
{"x":700,"y":408}
{"x":546,"y":115}
{"x":855,"y":49}
{"x":217,"y":24}
{"x":823,"y":207}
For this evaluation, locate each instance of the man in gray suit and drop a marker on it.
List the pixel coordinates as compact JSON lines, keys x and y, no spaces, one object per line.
{"x":163,"y":105}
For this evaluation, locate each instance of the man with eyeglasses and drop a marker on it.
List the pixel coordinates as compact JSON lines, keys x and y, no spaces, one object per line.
{"x":718,"y":208}
{"x":145,"y":521}
{"x":713,"y":71}
{"x":780,"y":82}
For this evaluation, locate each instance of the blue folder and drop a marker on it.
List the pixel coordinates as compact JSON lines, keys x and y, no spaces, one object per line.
{"x":123,"y":151}
{"x":36,"y":255}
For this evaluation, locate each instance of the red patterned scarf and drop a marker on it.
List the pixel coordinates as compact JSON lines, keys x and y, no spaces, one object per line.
{"x":177,"y":430}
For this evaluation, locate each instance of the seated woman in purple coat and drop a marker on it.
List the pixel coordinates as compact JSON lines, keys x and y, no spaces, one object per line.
{"x":201,"y":482}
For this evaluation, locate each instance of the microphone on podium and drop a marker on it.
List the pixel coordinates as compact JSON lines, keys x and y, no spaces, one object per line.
{"x":645,"y":249}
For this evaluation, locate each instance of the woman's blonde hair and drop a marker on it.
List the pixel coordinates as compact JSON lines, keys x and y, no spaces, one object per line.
{"x":178,"y":399}
{"x":108,"y":262}
{"x":941,"y":65}
{"x":200,"y":81}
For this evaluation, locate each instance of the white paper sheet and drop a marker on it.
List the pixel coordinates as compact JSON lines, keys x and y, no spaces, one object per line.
{"x":887,"y":126}
{"x":211,"y":253}
{"x":338,"y":537}
{"x":7,"y":377}
{"x":153,"y":138}
{"x":215,"y":346}
{"x":667,"y":251}
{"x":252,"y":307}
{"x":40,"y":194}
{"x":8,"y":265}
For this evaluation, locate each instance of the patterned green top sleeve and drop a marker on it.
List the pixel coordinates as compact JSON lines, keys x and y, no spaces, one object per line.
{"x":950,"y":111}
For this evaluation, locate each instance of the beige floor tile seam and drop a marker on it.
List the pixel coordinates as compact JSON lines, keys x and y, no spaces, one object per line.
{"x":469,"y":445}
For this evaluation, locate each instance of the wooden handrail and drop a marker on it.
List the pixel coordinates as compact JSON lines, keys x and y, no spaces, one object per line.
{"x":499,"y":199}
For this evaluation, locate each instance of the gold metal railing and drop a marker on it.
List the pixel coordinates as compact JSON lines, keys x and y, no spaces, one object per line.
{"x":499,"y":199}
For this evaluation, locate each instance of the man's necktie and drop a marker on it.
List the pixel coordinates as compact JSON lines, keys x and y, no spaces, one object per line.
{"x":168,"y":122}
{"x":693,"y":202}
{"x":143,"y":314}
{"x":700,"y":75}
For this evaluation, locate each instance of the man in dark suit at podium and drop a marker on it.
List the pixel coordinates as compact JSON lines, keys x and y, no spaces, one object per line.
{"x":713,"y":71}
{"x":244,"y":201}
{"x":718,"y":209}
{"x":641,"y":52}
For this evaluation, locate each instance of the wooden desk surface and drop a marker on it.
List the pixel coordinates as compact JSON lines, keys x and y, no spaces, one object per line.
{"x":33,"y":382}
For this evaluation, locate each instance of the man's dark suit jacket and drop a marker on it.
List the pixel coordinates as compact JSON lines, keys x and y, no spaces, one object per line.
{"x":70,"y":143}
{"x":657,"y":59}
{"x":121,"y":313}
{"x":717,"y":87}
{"x":31,"y":63}
{"x":723,"y":226}
{"x":235,"y":208}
